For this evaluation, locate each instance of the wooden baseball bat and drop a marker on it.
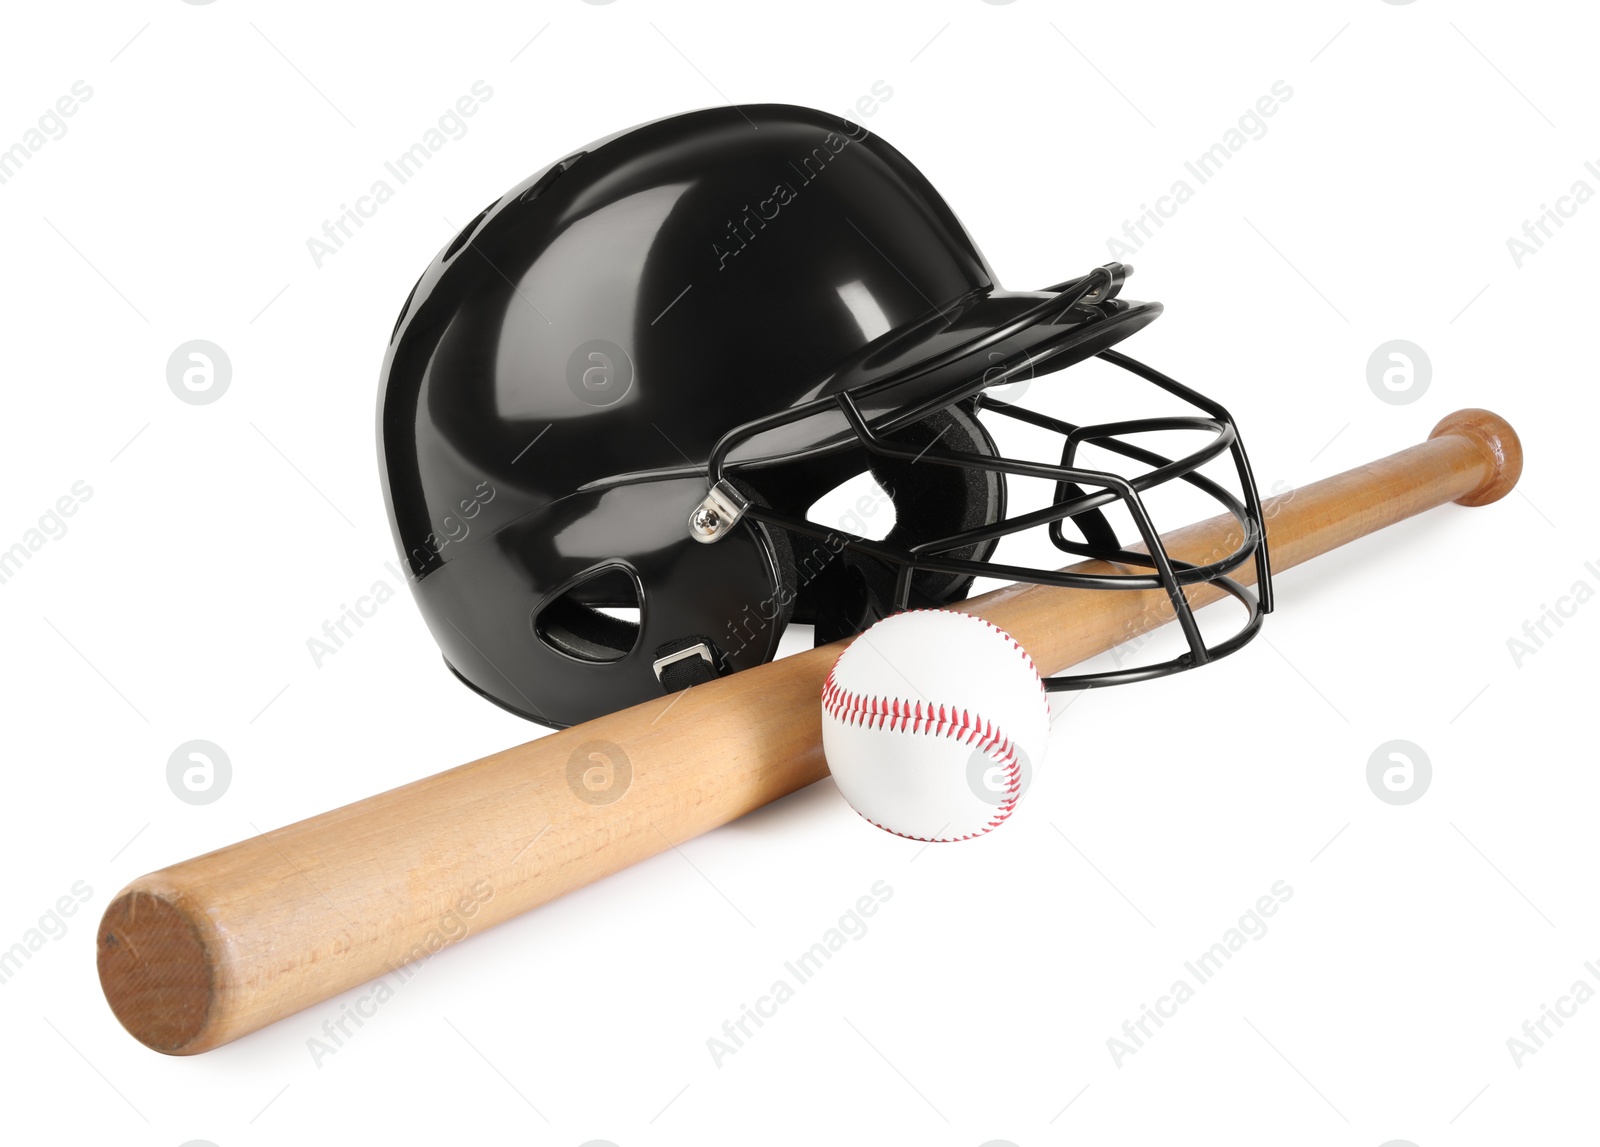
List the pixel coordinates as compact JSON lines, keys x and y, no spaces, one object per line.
{"x":208,"y":950}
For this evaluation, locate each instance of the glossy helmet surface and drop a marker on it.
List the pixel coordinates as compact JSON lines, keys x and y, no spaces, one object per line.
{"x":607,"y":404}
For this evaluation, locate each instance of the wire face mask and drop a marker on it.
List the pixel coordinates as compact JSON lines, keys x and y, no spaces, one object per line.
{"x":660,"y":351}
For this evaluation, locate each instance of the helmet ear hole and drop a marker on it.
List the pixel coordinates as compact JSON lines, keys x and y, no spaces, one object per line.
{"x":594,"y":618}
{"x":934,"y":501}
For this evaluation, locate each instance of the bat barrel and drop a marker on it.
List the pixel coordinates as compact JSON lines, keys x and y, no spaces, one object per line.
{"x":213,"y":948}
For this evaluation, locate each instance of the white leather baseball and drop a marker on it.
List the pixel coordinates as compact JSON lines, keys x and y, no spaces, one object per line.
{"x":930,"y":721}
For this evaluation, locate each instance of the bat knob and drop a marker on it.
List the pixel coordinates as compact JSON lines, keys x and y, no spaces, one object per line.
{"x":156,"y":971}
{"x":1493,"y":438}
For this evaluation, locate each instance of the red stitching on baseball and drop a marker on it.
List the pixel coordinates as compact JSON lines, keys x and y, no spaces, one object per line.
{"x":879,"y":712}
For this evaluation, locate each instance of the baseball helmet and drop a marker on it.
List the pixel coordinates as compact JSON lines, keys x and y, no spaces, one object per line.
{"x":609,"y":402}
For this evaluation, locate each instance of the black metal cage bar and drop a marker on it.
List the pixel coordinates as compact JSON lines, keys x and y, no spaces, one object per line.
{"x":1079,"y":494}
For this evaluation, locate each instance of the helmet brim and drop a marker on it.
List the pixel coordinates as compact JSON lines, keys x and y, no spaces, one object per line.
{"x":948,"y":356}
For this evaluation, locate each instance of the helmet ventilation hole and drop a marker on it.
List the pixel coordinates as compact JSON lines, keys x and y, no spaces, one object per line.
{"x":405,"y":307}
{"x":594,"y":618}
{"x":859,"y":505}
{"x":555,"y":171}
{"x":460,"y":240}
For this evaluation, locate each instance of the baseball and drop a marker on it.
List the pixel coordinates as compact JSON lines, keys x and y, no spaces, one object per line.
{"x":932,"y":721}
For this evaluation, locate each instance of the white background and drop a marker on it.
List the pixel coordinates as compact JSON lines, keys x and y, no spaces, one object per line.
{"x":219,"y":537}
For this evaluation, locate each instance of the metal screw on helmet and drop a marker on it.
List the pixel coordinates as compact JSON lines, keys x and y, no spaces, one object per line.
{"x":718,"y":513}
{"x":1117,"y":274}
